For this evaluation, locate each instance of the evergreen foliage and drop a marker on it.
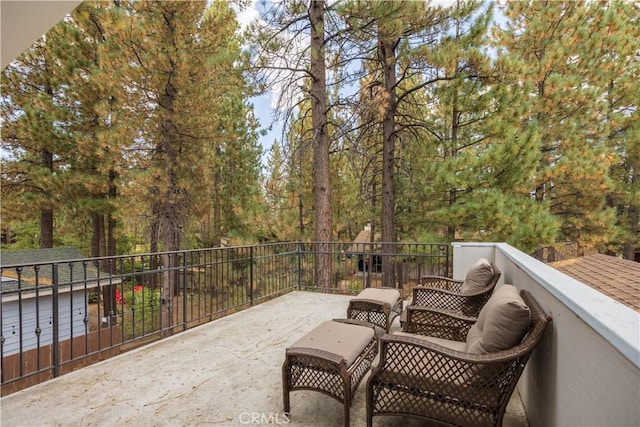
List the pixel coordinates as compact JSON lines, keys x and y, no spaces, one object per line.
{"x":132,"y":122}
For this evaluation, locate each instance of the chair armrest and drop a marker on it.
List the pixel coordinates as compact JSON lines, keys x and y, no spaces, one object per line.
{"x":441,"y":282}
{"x":437,"y":323}
{"x":415,"y":359}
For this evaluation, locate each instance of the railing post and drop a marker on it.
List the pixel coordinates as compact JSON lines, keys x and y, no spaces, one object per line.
{"x":446,"y":260}
{"x":300,"y":265}
{"x":2,"y":339}
{"x":251,"y":275}
{"x":366,"y":275}
{"x":56,"y":320}
{"x":184,"y":290}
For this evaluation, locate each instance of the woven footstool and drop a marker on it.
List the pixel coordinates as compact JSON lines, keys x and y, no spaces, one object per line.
{"x":379,"y":306}
{"x":332,"y":359}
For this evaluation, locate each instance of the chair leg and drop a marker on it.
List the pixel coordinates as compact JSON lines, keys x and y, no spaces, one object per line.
{"x":285,"y":388}
{"x":287,"y":405}
{"x":347,"y":420}
{"x":346,"y":381}
{"x":369,"y":404}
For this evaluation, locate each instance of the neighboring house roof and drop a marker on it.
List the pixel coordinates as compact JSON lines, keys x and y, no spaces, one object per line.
{"x":77,"y":272}
{"x":362,"y":242}
{"x":615,"y":277}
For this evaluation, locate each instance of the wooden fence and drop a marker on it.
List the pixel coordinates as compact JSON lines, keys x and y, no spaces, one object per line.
{"x":38,"y":365}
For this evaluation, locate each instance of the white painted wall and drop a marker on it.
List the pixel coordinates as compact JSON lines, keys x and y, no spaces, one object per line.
{"x":463,"y":259}
{"x":586,"y":371}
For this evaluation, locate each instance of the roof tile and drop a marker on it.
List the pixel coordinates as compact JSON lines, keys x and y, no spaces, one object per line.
{"x":618,"y":278}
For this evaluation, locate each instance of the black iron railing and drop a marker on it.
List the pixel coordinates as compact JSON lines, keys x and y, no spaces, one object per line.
{"x":58,"y":316}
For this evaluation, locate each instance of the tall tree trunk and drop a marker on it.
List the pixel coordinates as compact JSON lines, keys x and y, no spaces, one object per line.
{"x":111,"y":242}
{"x":111,"y":221}
{"x":373,"y":231}
{"x":97,"y":250}
{"x":170,"y":222}
{"x":154,"y":244}
{"x":111,"y":238}
{"x":540,"y":192}
{"x":46,"y":228}
{"x":451,"y":230}
{"x":300,"y":214}
{"x":455,"y":125}
{"x":217,"y":203}
{"x":321,"y":168}
{"x":46,"y":213}
{"x":97,"y":235}
{"x":386,"y":55}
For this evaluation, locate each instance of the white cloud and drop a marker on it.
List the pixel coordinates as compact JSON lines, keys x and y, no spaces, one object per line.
{"x":441,"y":3}
{"x":247,"y":16}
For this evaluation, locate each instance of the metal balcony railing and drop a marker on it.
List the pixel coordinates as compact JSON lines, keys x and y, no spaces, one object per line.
{"x":58,"y":316}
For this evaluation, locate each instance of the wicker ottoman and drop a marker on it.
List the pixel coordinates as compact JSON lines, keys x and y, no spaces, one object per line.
{"x":379,"y":306}
{"x":332,"y":359}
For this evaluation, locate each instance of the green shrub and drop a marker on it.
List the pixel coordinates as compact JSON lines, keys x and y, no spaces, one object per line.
{"x":141,"y":312}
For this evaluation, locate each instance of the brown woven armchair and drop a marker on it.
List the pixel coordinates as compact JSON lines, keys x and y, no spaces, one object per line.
{"x":448,"y":381}
{"x":442,"y":293}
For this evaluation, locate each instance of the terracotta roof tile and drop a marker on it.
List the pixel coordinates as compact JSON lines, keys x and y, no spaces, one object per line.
{"x":615,"y":277}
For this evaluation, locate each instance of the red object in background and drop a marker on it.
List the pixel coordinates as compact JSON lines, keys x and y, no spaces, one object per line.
{"x":119,"y":300}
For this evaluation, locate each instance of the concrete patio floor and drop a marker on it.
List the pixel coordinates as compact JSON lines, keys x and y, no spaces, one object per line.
{"x":224,"y":373}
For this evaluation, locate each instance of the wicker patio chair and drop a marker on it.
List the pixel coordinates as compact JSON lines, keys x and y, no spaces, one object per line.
{"x":465,"y":297}
{"x":453,"y":382}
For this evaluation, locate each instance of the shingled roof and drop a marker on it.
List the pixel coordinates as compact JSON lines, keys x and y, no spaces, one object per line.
{"x":68,"y":272}
{"x":615,"y":277}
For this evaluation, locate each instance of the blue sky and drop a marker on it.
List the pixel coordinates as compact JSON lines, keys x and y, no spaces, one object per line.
{"x":264,"y":112}
{"x":264,"y":104}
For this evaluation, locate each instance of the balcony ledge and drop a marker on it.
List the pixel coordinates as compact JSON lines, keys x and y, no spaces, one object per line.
{"x":615,"y":322}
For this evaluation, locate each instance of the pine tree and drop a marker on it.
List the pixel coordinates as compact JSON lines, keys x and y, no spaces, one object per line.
{"x":473,"y":169}
{"x":94,"y":91}
{"x":228,"y":131}
{"x":283,"y":218}
{"x":616,"y":73}
{"x":172,"y":48}
{"x":35,"y":134}
{"x":375,"y":30}
{"x":552,"y":42}
{"x":281,"y":61}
